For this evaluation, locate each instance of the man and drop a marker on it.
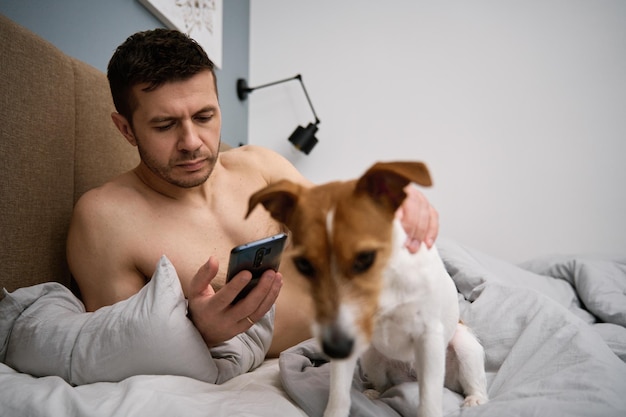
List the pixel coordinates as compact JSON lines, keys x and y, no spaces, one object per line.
{"x":187,"y":200}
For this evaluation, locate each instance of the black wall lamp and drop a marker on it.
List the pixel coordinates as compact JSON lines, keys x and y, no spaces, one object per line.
{"x":303,"y":138}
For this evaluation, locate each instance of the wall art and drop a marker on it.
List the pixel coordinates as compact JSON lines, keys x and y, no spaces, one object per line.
{"x":200,"y":19}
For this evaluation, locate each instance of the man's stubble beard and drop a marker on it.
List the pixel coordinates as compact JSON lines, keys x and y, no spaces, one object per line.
{"x":165,"y":172}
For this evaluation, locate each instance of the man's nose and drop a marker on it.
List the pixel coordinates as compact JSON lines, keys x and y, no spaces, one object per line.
{"x":188,"y":140}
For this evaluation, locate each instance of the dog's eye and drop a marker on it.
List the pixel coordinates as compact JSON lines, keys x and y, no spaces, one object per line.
{"x":363,"y":261}
{"x":304,"y":266}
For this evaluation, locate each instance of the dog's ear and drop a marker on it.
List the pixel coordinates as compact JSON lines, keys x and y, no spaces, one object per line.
{"x":385,"y":181}
{"x":279,"y":199}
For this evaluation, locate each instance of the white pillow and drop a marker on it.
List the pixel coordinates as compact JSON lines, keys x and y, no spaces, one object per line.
{"x":44,"y":330}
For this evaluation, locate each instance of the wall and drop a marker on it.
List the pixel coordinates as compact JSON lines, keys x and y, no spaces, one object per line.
{"x":90,"y":30}
{"x":518,"y":108}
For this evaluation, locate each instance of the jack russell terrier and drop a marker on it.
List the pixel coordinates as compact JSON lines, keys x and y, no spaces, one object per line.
{"x":373,"y":299}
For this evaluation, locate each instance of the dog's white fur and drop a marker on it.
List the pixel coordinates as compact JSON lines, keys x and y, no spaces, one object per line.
{"x":417,"y":324}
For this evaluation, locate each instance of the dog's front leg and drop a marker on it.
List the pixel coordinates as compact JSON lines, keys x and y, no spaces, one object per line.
{"x":341,"y":375}
{"x":430,"y":359}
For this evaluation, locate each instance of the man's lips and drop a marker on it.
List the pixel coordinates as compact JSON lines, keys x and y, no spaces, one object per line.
{"x":192,"y":165}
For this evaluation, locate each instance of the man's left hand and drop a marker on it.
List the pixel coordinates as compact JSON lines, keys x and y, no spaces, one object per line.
{"x":419,"y":219}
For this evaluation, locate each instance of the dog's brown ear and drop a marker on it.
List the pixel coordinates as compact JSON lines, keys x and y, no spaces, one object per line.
{"x":385,"y":181}
{"x":279,"y":199}
{"x":414,"y":171}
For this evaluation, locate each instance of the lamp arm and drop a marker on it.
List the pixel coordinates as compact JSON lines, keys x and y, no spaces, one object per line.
{"x":251,"y":89}
{"x":243,"y":90}
{"x":299,"y":77}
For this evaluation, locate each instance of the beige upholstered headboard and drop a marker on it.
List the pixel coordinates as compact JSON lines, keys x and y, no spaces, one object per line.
{"x":56,"y":141}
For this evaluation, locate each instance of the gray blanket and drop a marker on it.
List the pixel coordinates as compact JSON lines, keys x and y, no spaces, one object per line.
{"x":45,"y":330}
{"x":554,"y":332}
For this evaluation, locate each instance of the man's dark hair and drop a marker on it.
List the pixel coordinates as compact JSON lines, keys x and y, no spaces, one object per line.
{"x":154,"y":57}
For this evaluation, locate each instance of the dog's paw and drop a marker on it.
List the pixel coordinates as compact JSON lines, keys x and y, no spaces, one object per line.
{"x":474,"y":400}
{"x":372,"y":394}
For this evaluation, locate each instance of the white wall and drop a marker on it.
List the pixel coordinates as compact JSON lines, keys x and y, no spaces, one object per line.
{"x":518,"y":107}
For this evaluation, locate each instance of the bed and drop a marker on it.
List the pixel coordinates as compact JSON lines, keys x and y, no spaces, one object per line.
{"x":554,"y":332}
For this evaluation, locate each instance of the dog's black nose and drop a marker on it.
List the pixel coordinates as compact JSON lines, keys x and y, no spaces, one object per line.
{"x":336,"y":344}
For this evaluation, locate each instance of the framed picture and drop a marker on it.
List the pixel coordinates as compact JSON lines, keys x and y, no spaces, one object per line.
{"x":200,"y":19}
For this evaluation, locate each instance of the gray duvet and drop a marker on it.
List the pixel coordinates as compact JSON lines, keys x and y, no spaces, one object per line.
{"x":554,"y":332}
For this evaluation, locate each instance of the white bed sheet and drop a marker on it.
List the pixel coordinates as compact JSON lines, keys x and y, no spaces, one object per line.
{"x":258,"y":393}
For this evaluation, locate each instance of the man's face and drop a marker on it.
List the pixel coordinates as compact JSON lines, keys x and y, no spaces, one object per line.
{"x":176,"y":128}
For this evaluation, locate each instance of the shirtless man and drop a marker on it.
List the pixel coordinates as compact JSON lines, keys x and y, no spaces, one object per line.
{"x":187,"y":200}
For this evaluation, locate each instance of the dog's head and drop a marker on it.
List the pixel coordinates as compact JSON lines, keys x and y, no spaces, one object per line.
{"x":341,"y":235}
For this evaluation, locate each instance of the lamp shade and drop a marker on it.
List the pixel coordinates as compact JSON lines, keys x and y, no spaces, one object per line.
{"x":303,"y":138}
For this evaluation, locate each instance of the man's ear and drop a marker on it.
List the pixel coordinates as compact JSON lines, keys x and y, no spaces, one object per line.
{"x":123,"y":125}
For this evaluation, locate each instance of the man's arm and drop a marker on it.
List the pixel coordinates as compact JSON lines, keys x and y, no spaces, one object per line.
{"x":95,"y":252}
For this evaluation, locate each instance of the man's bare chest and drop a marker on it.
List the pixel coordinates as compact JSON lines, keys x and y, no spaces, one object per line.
{"x":189,"y":239}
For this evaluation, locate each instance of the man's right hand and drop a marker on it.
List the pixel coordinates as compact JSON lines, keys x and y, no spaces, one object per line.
{"x":212,"y":313}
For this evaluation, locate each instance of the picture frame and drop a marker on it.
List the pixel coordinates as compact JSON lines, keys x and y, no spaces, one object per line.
{"x":202,"y":20}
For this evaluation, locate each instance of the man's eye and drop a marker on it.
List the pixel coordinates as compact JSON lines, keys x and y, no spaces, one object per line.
{"x":204,"y":118}
{"x":363,"y":261}
{"x":163,"y":128}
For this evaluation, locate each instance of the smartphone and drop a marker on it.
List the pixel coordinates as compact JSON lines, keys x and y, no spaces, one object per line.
{"x":256,"y":257}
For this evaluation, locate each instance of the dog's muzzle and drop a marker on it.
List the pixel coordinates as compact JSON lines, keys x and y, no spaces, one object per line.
{"x":336,"y":344}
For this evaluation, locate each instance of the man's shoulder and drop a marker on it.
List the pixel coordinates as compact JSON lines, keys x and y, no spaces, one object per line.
{"x":246,"y":154}
{"x":110,"y":196}
{"x":259,"y":161}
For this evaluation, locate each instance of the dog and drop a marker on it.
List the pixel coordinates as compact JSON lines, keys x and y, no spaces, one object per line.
{"x":373,"y":299}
